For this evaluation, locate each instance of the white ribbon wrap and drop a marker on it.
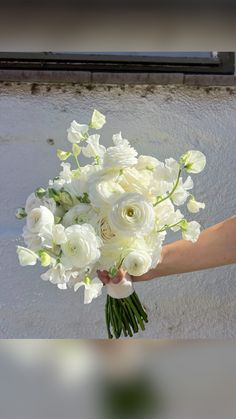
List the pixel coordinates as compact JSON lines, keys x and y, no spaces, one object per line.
{"x":121,"y":290}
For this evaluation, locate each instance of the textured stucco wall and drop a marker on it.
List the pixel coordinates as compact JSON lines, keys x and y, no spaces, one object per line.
{"x":162,"y":121}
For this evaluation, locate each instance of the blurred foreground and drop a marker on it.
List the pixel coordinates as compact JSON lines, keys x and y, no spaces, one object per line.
{"x":125,"y":379}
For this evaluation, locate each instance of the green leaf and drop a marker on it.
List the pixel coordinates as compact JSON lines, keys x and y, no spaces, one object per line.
{"x":40,"y":192}
{"x":113,"y":271}
{"x":52,"y":193}
{"x":63,"y":155}
{"x":76,"y":150}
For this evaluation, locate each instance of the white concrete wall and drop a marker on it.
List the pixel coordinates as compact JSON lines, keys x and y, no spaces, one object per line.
{"x":162,"y":121}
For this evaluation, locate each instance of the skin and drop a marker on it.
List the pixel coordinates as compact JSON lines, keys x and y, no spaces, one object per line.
{"x":215,"y":247}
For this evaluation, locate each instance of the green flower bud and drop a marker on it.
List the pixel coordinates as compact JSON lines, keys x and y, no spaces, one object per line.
{"x":20,"y":213}
{"x":40,"y":192}
{"x":63,"y":155}
{"x":76,"y":150}
{"x":44,"y":258}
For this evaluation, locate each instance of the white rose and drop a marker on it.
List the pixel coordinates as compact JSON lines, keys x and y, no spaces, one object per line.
{"x":82,"y":246}
{"x":194,"y":161}
{"x":121,"y":155}
{"x":34,"y":202}
{"x":104,"y":190}
{"x":80,"y":214}
{"x":77,"y":132}
{"x":194,"y":206}
{"x":26,"y":256}
{"x":191,"y":231}
{"x":137,"y":262}
{"x":93,"y":148}
{"x":98,"y":120}
{"x":104,"y":229}
{"x":39,"y":217}
{"x":92,"y":289}
{"x":132,"y":215}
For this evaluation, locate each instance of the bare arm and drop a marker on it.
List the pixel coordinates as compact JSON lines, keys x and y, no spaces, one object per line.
{"x":216,"y":246}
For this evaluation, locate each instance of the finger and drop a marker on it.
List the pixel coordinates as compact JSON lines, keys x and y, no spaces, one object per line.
{"x":103,"y":276}
{"x":118,"y":277}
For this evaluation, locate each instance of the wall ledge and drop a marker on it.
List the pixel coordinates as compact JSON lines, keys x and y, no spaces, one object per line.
{"x":84,"y":77}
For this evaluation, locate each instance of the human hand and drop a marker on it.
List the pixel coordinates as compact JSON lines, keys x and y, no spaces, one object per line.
{"x":106,"y":278}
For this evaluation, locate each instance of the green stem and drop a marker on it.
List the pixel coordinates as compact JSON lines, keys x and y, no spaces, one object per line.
{"x":172,"y":191}
{"x":168,"y":226}
{"x":77,"y":162}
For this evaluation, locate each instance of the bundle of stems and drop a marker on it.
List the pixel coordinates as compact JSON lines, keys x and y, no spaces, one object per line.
{"x":125,"y":315}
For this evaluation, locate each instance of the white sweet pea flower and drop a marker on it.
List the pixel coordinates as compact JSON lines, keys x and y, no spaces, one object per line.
{"x":132,"y":215}
{"x":166,"y":215}
{"x":80,"y":214}
{"x":58,"y":275}
{"x":82,"y":246}
{"x":34,"y":202}
{"x":194,"y":161}
{"x":181,"y":193}
{"x":98,"y":120}
{"x":92,"y":288}
{"x":32,"y":240}
{"x":26,"y":256}
{"x":39,"y":217}
{"x":194,"y":206}
{"x":121,"y":155}
{"x":52,"y":235}
{"x":147,"y":163}
{"x":164,"y":177}
{"x":137,"y":262}
{"x":191,"y":231}
{"x":104,"y":190}
{"x":93,"y":148}
{"x":77,"y":132}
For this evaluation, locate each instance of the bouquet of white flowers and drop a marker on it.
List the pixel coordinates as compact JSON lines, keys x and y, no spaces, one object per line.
{"x":111,"y":213}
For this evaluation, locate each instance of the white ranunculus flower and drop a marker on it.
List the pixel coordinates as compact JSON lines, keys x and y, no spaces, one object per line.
{"x":194,"y":161}
{"x":194,"y":206}
{"x":137,"y":262}
{"x":92,"y":289}
{"x":39,"y":217}
{"x":121,"y":155}
{"x":93,"y":148}
{"x":104,"y":190}
{"x":77,"y":132}
{"x":26,"y":256}
{"x":181,"y":193}
{"x":114,"y":250}
{"x":147,"y":163}
{"x":34,"y":202}
{"x":98,"y":120}
{"x":132,"y":215}
{"x":80,"y":214}
{"x":191,"y":231}
{"x":82,"y":246}
{"x":52,"y":235}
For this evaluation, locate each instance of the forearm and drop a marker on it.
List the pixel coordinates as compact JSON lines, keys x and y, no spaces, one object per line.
{"x":216,"y":246}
